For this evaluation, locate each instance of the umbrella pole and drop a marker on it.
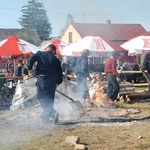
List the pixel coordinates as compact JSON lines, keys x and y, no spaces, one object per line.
{"x":14,"y":65}
{"x":145,"y":75}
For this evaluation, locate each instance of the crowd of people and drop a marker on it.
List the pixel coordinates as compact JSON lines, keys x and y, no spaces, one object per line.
{"x":68,"y":67}
{"x":68,"y":64}
{"x":10,"y":69}
{"x":50,"y":71}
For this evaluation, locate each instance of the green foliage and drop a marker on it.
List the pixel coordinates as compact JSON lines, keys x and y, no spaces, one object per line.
{"x":25,"y":37}
{"x":34,"y":17}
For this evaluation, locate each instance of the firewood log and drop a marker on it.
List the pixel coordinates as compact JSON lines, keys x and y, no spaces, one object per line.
{"x":100,"y":96}
{"x":126,"y":92}
{"x":128,"y":99}
{"x":138,"y":96}
{"x":140,"y":85}
{"x":127,"y":89}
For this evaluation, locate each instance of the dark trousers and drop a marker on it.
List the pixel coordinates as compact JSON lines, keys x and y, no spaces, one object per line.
{"x":127,"y":78}
{"x":113,"y":87}
{"x":82,"y":88}
{"x":45,"y":95}
{"x":148,"y":76}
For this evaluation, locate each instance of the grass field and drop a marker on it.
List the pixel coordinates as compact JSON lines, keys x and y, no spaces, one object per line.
{"x":131,"y":137}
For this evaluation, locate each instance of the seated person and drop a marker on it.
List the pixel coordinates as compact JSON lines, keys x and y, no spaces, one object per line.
{"x":124,"y":66}
{"x":67,"y":66}
{"x":10,"y":72}
{"x":101,"y":67}
{"x":91,"y":66}
{"x":9,"y":68}
{"x":25,"y":73}
{"x":18,"y":71}
{"x":146,"y":66}
{"x":9,"y":65}
{"x":136,"y":75}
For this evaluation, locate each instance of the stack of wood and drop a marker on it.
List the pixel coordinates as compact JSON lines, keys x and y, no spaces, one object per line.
{"x":125,"y":87}
{"x":98,"y":90}
{"x":133,"y":96}
{"x":6,"y":96}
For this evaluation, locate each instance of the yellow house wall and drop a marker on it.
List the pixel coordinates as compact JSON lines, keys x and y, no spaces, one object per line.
{"x":75,"y":35}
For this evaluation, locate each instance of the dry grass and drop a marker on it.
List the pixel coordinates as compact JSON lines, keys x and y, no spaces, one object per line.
{"x":138,"y":105}
{"x":104,"y":136}
{"x":132,"y":137}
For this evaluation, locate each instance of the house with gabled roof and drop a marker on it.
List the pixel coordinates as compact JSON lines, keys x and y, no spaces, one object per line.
{"x":117,"y":33}
{"x":30,"y":34}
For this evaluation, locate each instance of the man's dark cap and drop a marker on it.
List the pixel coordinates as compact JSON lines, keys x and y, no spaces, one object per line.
{"x":52,"y":46}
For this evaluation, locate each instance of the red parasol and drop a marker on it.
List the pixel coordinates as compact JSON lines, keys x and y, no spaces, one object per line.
{"x":59,"y":46}
{"x":14,"y":47}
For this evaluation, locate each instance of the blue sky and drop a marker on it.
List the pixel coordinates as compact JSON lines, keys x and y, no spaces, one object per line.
{"x":84,"y":11}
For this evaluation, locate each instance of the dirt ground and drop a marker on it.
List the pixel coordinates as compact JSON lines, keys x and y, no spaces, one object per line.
{"x":125,"y":127}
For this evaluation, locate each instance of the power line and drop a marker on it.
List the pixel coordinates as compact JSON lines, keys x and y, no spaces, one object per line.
{"x":102,"y":15}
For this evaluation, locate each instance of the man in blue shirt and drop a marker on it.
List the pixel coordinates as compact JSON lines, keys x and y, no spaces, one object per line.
{"x":49,"y":74}
{"x":82,"y":72}
{"x":146,"y":66}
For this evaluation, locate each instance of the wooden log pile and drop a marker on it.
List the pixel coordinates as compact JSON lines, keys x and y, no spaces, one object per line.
{"x":127,"y":94}
{"x":7,"y":91}
{"x":6,"y":96}
{"x":125,"y":87}
{"x":97,"y":91}
{"x":133,"y":96}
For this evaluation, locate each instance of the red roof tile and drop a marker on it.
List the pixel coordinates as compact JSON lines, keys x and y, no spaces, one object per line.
{"x":110,"y":31}
{"x":115,"y":46}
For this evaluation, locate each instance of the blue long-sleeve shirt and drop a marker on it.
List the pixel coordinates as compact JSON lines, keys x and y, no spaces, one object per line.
{"x":82,"y":65}
{"x":47,"y":63}
{"x":146,"y":62}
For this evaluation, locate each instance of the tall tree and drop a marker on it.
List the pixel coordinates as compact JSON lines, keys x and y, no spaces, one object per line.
{"x":34,"y":17}
{"x":69,"y":20}
{"x":25,"y":36}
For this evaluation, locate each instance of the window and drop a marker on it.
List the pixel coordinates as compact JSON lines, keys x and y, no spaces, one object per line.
{"x":70,"y":37}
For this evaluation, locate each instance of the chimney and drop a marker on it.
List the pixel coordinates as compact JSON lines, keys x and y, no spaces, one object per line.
{"x":108,"y":21}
